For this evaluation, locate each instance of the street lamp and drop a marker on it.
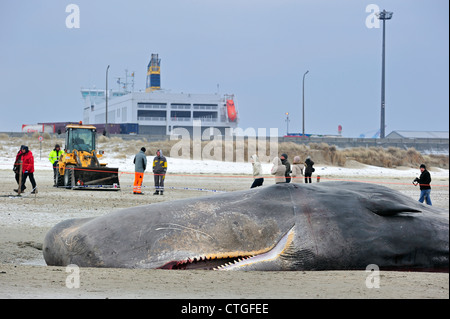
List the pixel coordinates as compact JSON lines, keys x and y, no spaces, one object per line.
{"x":106,"y":103}
{"x":287,"y":123}
{"x":383,"y":15}
{"x":303,"y":112}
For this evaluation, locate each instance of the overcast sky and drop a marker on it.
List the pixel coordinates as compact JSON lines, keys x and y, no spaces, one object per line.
{"x":257,"y":50}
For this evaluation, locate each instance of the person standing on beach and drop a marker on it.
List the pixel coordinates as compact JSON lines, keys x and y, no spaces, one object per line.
{"x":297,"y":170}
{"x":424,"y":183}
{"x":140,"y":164}
{"x":17,"y":167}
{"x":257,"y":171}
{"x":285,"y":162}
{"x":309,"y":170}
{"x":53,"y":157}
{"x":27,"y":170}
{"x":279,"y":170}
{"x":159,"y":171}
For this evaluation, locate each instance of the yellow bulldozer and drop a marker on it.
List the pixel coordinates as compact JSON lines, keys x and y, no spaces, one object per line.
{"x":79,"y":167}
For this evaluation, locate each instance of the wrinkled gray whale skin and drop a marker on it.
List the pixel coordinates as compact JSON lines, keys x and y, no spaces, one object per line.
{"x":322,"y":226}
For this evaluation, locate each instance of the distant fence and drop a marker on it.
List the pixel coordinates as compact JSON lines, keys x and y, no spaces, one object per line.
{"x":423,"y":145}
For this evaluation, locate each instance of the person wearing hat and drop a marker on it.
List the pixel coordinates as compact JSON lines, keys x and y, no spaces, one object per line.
{"x":424,"y":183}
{"x":27,"y":170}
{"x":54,"y":157}
{"x":285,"y":162}
{"x":279,"y":170}
{"x":140,"y":164}
{"x":309,"y":169}
{"x":159,"y":172}
{"x":297,"y":170}
{"x":257,"y":171}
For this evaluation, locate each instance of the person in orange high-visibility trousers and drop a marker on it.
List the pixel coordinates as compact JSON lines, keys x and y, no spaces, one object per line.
{"x":140,"y":164}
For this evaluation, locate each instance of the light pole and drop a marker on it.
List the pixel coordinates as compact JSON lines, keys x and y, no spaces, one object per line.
{"x":383,"y":15}
{"x":303,"y":112}
{"x":106,"y":103}
{"x":287,"y":123}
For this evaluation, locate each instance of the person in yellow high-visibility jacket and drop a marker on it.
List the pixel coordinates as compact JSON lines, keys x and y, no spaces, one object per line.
{"x":54,"y":157}
{"x":159,"y":172}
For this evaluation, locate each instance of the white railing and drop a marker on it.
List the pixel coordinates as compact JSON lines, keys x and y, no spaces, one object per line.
{"x":206,"y":119}
{"x":151,"y":118}
{"x":178,"y":119}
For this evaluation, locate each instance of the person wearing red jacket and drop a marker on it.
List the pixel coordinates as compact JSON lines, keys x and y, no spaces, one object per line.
{"x":27,"y":169}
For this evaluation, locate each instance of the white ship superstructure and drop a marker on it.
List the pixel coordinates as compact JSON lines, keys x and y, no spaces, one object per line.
{"x":158,"y":111}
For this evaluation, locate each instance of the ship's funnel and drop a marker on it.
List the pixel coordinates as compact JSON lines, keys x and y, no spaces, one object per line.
{"x":153,"y":74}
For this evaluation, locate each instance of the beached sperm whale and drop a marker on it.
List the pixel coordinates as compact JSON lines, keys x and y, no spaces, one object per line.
{"x":324,"y":226}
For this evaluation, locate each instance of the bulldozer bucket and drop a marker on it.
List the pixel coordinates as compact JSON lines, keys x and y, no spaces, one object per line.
{"x":102,"y":178}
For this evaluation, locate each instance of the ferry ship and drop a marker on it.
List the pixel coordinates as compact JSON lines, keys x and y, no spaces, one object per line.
{"x":158,"y":111}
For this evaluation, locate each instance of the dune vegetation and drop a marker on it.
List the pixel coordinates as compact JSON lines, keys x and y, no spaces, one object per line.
{"x":321,"y":153}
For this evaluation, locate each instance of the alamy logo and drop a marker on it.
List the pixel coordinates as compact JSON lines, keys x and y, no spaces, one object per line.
{"x":73,"y":279}
{"x":373,"y":279}
{"x":230,"y":147}
{"x":372,"y":20}
{"x":73,"y":19}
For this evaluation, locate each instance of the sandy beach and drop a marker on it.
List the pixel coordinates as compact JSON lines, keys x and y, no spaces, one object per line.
{"x":359,"y":88}
{"x":25,"y":220}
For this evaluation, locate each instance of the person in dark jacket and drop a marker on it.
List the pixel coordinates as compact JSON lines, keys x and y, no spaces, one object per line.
{"x":27,"y":170}
{"x":159,"y":171}
{"x":285,"y":162}
{"x":309,"y":169}
{"x":424,"y":183}
{"x":140,"y":164}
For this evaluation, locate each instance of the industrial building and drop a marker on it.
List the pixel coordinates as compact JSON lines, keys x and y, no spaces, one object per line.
{"x":418,"y":134}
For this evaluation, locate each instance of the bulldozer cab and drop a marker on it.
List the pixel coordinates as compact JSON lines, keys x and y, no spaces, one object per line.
{"x":80,"y":139}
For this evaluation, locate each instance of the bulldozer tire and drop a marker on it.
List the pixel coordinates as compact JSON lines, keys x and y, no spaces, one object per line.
{"x":69,"y":177}
{"x":59,"y":179}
